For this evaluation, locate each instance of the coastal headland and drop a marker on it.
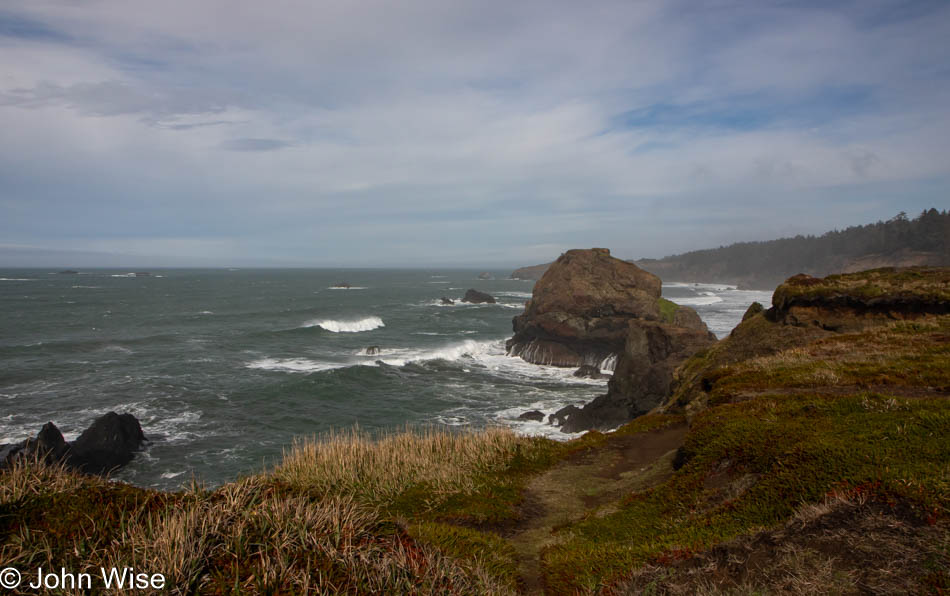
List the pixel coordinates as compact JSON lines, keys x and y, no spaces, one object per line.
{"x":804,"y":453}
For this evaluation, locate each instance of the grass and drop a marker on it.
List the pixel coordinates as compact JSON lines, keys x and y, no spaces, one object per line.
{"x":471,"y":477}
{"x":924,"y":285}
{"x":795,"y":449}
{"x":667,"y":310}
{"x":308,"y":527}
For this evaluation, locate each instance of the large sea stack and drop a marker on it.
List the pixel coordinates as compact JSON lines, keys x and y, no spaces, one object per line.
{"x":589,"y":308}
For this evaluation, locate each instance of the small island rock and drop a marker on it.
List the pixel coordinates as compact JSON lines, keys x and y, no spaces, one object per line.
{"x":476,"y":297}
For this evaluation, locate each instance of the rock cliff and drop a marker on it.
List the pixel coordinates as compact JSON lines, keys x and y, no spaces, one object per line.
{"x":579,"y":309}
{"x":589,"y":308}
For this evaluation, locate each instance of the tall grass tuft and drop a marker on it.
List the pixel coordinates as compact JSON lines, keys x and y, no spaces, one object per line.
{"x":378,"y":470}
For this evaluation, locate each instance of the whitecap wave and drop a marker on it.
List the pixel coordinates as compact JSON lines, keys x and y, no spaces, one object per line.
{"x":347,"y":288}
{"x":353,"y":326}
{"x":15,"y":279}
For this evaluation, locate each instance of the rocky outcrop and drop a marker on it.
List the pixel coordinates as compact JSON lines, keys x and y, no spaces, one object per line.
{"x":108,"y":444}
{"x":371,"y":350}
{"x":643,"y":378}
{"x":853,"y":301}
{"x":447,"y":301}
{"x":579,"y":309}
{"x":589,"y":307}
{"x":476,"y":297}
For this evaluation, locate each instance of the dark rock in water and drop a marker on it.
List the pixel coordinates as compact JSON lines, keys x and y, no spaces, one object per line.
{"x":48,"y":445}
{"x":484,"y":275}
{"x":447,"y":301}
{"x":754,"y":309}
{"x":106,"y":445}
{"x":371,"y":351}
{"x":580,"y":307}
{"x":476,"y":297}
{"x":536,"y":415}
{"x":560,"y":417}
{"x":68,"y":272}
{"x":571,"y":419}
{"x":588,"y":371}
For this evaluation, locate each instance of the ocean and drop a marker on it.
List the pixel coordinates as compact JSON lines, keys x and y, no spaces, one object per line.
{"x":225,"y":368}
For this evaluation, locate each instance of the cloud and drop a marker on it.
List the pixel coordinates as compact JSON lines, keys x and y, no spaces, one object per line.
{"x":470,"y":130}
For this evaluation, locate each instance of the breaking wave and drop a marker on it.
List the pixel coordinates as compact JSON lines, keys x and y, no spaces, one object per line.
{"x":337,"y":326}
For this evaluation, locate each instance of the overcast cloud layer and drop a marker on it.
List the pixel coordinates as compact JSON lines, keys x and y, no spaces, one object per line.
{"x":425,"y":132}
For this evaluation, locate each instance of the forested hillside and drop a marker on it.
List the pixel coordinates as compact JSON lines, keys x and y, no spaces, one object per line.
{"x":899,"y":241}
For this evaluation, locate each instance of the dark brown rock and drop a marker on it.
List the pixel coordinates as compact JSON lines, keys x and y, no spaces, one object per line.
{"x":107,"y":445}
{"x":588,"y":307}
{"x":535,"y":415}
{"x":579,"y":309}
{"x":476,"y":297}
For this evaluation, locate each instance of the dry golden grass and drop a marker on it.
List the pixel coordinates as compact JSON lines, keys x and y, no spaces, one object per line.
{"x":35,"y":476}
{"x":249,"y":536}
{"x":378,"y":470}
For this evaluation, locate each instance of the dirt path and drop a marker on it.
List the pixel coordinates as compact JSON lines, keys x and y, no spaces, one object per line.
{"x":587,"y":482}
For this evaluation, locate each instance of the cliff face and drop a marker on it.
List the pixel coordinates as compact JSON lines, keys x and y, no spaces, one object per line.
{"x":580,"y":308}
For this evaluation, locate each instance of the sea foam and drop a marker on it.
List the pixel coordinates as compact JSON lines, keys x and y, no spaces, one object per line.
{"x":352,"y":326}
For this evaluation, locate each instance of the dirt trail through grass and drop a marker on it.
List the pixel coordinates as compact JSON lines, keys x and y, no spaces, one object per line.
{"x":586,"y":483}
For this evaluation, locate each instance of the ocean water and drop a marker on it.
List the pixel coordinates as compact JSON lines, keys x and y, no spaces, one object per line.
{"x":224,"y":368}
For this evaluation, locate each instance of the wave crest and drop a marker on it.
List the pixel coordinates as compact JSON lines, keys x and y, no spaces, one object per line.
{"x":355,"y":326}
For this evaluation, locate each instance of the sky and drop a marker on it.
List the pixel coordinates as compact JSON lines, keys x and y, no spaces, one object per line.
{"x":465,"y":133}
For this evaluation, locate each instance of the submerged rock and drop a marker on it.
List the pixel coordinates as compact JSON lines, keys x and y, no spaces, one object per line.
{"x":447,"y":301}
{"x":371,"y":350}
{"x":476,"y":297}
